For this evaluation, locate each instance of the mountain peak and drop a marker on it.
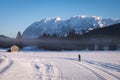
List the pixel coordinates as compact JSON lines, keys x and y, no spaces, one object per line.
{"x":80,"y":16}
{"x":51,"y":19}
{"x":97,"y":17}
{"x":58,"y":18}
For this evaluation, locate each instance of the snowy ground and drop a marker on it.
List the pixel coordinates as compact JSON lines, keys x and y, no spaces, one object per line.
{"x":97,"y":65}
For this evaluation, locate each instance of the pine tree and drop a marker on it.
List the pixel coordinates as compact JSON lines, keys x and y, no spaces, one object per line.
{"x":19,"y":41}
{"x":19,"y":35}
{"x":71,"y":34}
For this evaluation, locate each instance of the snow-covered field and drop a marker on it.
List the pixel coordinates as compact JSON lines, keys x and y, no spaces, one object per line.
{"x":97,"y":65}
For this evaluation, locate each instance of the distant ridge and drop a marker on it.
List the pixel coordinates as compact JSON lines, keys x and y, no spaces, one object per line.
{"x":3,"y":36}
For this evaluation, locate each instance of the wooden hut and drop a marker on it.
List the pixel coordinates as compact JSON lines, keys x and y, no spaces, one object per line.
{"x":14,"y":48}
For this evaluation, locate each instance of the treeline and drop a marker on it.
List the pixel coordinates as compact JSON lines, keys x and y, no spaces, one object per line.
{"x":99,"y":39}
{"x":70,"y":35}
{"x":107,"y":38}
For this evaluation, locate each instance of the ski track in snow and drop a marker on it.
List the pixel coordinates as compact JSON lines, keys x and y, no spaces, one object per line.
{"x":117,"y":77}
{"x":7,"y":66}
{"x":99,"y":77}
{"x":42,"y":69}
{"x":45,"y":70}
{"x":7,"y":63}
{"x":92,"y":69}
{"x":46,"y":67}
{"x":72,"y":72}
{"x":110,"y":66}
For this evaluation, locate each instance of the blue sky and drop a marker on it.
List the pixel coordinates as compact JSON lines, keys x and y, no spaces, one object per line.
{"x":17,"y":15}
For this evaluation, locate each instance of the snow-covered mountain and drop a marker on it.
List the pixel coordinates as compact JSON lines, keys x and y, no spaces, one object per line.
{"x":62,"y":27}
